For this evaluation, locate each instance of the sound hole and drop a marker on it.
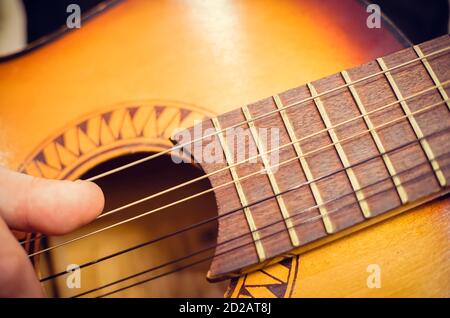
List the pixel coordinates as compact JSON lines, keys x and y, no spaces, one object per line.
{"x":120,"y":189}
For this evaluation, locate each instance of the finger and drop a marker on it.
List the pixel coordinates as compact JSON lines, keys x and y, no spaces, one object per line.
{"x":49,"y":206}
{"x":17,"y":277}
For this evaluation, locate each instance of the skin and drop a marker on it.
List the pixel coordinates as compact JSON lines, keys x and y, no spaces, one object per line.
{"x":47,"y":206}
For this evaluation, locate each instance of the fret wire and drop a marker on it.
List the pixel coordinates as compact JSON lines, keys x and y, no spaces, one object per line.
{"x":273,"y":182}
{"x":329,"y":227}
{"x":243,"y":199}
{"x":432,"y":74}
{"x":417,"y":130}
{"x":179,"y":146}
{"x":316,"y":206}
{"x":212,"y":189}
{"x":386,"y":159}
{"x":340,"y":150}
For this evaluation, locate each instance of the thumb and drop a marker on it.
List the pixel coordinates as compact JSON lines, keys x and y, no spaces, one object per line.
{"x":49,"y":206}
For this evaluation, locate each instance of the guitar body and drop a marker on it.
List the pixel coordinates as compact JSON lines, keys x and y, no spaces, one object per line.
{"x":116,"y":88}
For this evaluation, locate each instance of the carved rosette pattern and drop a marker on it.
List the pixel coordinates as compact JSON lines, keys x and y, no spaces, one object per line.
{"x":126,"y":128}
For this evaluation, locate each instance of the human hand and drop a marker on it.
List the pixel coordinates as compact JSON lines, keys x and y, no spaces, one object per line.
{"x":38,"y":205}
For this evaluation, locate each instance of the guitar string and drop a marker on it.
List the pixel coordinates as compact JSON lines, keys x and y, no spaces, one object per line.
{"x":251,"y":158}
{"x":261,"y":228}
{"x":124,"y":251}
{"x":236,"y":125}
{"x":222,"y":253}
{"x":180,"y":146}
{"x":228,"y":167}
{"x":231,"y":250}
{"x":231,"y":182}
{"x":153,"y":241}
{"x":152,"y":196}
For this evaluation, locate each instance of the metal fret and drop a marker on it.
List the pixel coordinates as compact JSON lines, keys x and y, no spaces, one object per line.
{"x":417,"y":130}
{"x":248,"y":214}
{"x":273,"y":182}
{"x":329,"y":227}
{"x":350,"y":173}
{"x":432,"y":74}
{"x":376,"y":138}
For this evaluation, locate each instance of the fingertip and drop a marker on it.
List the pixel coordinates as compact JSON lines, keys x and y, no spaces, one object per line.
{"x":84,"y":202}
{"x":94,"y":199}
{"x":51,"y":207}
{"x":64,"y":205}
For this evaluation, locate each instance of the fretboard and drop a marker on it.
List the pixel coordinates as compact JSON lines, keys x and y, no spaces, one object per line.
{"x":354,"y":147}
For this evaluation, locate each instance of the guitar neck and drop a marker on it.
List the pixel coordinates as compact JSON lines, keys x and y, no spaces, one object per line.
{"x":350,"y":148}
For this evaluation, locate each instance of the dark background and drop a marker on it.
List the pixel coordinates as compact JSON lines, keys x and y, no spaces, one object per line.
{"x":419,"y":20}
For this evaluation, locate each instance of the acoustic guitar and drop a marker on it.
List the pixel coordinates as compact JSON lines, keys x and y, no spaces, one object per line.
{"x":353,"y":205}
